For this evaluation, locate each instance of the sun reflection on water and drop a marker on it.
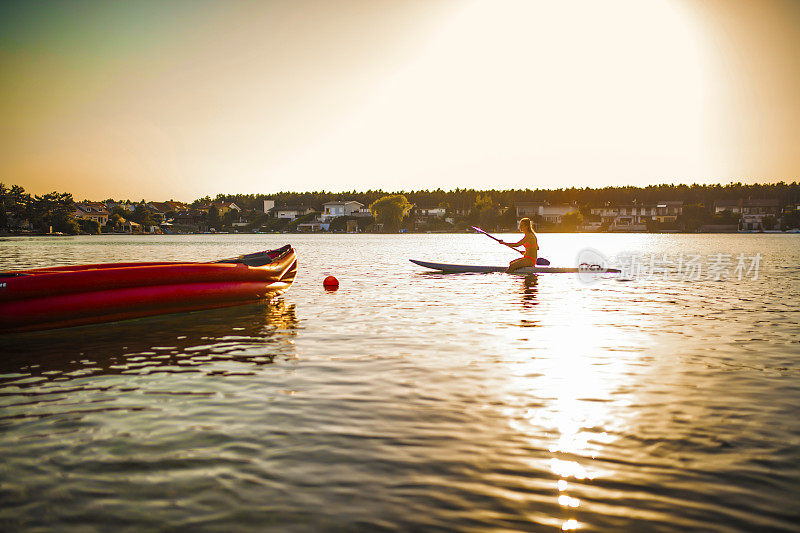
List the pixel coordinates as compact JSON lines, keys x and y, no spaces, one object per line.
{"x":574,"y":399}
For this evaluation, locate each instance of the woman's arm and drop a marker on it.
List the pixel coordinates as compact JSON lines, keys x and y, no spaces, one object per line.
{"x":514,"y":245}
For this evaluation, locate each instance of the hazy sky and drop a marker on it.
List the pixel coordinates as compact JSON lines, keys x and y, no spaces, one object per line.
{"x":181,"y":99}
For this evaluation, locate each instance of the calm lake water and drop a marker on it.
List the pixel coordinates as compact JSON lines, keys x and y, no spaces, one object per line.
{"x":410,"y":400}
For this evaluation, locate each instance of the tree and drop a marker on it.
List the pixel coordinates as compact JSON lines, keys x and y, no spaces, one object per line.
{"x":53,"y":210}
{"x":485,"y":212}
{"x":693,"y":216}
{"x":339,"y":223}
{"x":488,"y":217}
{"x":201,"y":201}
{"x":390,"y":211}
{"x":92,"y":227}
{"x":230,"y":216}
{"x":142,"y":215}
{"x":726,"y":217}
{"x":13,"y":200}
{"x":768,"y":222}
{"x":115,"y":221}
{"x":117,"y":210}
{"x":3,"y":216}
{"x":508,"y":220}
{"x":213,"y":219}
{"x":791,"y":220}
{"x":571,"y":221}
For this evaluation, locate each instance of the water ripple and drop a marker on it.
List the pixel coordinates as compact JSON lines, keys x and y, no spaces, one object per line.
{"x":414,"y":401}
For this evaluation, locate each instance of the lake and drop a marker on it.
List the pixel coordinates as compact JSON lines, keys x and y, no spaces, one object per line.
{"x":664,"y":399}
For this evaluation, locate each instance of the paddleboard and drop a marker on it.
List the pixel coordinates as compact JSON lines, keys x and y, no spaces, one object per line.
{"x":444,"y":267}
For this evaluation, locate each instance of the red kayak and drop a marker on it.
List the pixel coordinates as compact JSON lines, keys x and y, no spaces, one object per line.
{"x":47,"y":298}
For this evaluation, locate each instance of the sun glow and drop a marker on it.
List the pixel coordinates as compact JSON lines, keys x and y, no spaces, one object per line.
{"x":504,"y":94}
{"x":405,"y":95}
{"x":572,"y":92}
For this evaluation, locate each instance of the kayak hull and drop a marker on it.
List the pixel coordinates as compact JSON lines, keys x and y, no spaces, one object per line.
{"x":445,"y":267}
{"x":87,"y":294}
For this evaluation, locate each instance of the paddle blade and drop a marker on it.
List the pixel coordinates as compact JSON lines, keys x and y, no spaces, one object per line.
{"x":479,"y":230}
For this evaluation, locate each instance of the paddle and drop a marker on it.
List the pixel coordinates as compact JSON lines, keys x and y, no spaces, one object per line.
{"x":539,"y":261}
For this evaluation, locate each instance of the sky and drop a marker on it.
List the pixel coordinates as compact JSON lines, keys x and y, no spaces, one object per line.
{"x":180,"y":99}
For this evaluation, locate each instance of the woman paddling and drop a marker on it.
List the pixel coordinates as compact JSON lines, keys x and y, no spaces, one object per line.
{"x":530,"y":243}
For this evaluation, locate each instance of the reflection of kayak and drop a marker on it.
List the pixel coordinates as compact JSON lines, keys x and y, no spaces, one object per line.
{"x":47,"y":298}
{"x":444,"y":267}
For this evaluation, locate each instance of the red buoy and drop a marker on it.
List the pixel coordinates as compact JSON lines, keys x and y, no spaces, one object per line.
{"x":330,"y":283}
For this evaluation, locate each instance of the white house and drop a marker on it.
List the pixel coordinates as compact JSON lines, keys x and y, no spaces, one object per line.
{"x":668,"y":211}
{"x":291,"y":212}
{"x":269,"y":205}
{"x":754,"y":212}
{"x":528,"y":209}
{"x":551,"y":214}
{"x":734,"y":206}
{"x":634,"y":217}
{"x":348,"y":208}
{"x":438,"y":212}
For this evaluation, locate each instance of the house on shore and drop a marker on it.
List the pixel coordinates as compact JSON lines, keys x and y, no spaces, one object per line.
{"x":424,"y":217}
{"x":430,"y":212}
{"x":751,"y":212}
{"x":169,"y":206}
{"x":544,"y":211}
{"x":226,"y":207}
{"x":668,"y":211}
{"x":553,"y":214}
{"x":634,"y":217}
{"x":290,"y":212}
{"x":95,"y":211}
{"x":129,"y":226}
{"x":347,"y":208}
{"x":189,"y":221}
{"x":528,"y":209}
{"x":755,"y":211}
{"x":127,"y":205}
{"x":731,"y":206}
{"x":628,"y":218}
{"x":314,"y":225}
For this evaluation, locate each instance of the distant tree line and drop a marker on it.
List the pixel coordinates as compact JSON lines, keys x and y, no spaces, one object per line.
{"x":487,"y":208}
{"x":55,"y":212}
{"x":465,"y":199}
{"x":52,"y":210}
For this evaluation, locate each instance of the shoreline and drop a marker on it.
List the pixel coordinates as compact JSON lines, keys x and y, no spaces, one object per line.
{"x":743,"y":232}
